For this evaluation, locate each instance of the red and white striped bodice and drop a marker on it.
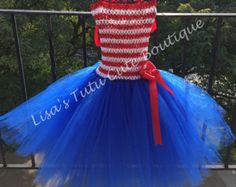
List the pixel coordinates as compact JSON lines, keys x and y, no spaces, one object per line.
{"x":124,"y":31}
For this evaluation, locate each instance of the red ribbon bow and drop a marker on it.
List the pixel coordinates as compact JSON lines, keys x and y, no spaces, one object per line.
{"x":151,"y":73}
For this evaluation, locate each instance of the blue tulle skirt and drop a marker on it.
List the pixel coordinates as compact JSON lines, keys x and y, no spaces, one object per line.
{"x":93,"y":132}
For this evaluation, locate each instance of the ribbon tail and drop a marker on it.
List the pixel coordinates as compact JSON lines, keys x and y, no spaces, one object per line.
{"x":155,"y":113}
{"x":163,"y":83}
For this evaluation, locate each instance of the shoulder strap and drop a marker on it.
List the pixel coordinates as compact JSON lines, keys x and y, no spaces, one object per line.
{"x":154,"y":26}
{"x":96,"y":37}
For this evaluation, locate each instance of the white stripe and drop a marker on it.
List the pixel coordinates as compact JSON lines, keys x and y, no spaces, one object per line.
{"x":103,"y":10}
{"x":125,"y":41}
{"x":121,"y":69}
{"x":124,"y":50}
{"x":115,"y":77}
{"x":122,"y":31}
{"x":124,"y":60}
{"x":125,"y":21}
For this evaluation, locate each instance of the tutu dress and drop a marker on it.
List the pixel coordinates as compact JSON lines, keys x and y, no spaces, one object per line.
{"x":120,"y":122}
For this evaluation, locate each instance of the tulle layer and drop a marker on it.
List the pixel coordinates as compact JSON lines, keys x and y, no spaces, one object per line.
{"x":98,"y":133}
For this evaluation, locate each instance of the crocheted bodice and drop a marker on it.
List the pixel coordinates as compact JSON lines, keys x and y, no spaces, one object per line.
{"x":124,"y":31}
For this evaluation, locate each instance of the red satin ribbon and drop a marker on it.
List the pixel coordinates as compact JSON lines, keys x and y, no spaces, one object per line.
{"x":96,"y":36}
{"x":151,"y":73}
{"x":154,"y":26}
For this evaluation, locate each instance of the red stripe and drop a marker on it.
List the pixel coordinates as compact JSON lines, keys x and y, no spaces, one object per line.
{"x":125,"y":36}
{"x":123,"y":55}
{"x":128,"y":46}
{"x":128,"y":17}
{"x":125,"y":27}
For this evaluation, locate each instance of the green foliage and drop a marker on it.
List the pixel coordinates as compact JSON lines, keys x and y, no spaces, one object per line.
{"x":185,"y":8}
{"x":198,"y":50}
{"x":33,"y":33}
